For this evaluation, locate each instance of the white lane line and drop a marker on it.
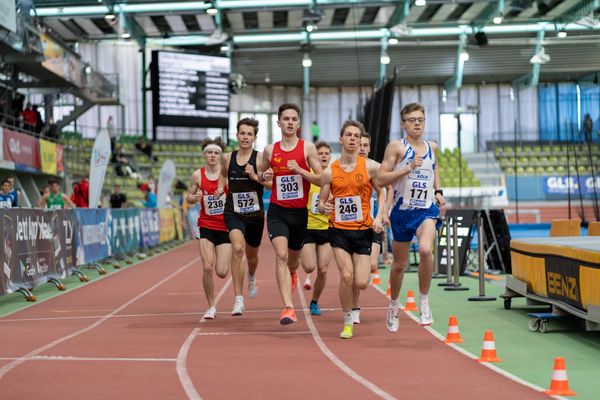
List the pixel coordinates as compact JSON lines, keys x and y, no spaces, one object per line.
{"x":252,"y":333}
{"x":5,"y":369}
{"x":182,"y":372}
{"x":334,"y":359}
{"x":468,"y":353}
{"x":98,"y":279}
{"x":72,"y":358}
{"x":179,"y":314}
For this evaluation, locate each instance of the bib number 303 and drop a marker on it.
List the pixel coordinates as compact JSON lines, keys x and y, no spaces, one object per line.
{"x":289,"y":187}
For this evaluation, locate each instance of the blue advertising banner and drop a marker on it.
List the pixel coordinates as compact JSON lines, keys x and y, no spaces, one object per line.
{"x":564,"y":184}
{"x":93,"y":238}
{"x":126,"y":233}
{"x":149,"y":227}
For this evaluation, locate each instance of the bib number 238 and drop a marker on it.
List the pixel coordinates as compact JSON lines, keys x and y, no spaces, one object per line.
{"x":214,"y":205}
{"x":289,"y":187}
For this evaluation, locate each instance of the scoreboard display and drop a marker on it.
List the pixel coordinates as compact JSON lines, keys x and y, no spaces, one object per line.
{"x":190,"y":90}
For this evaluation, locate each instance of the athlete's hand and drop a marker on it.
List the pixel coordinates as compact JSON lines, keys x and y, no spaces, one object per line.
{"x":326,"y":208}
{"x":293,"y":166}
{"x":220,"y":190}
{"x":440,"y":200}
{"x":377,"y":225}
{"x":249,"y":170}
{"x":268,"y":175}
{"x":385,"y":220}
{"x":197,"y":196}
{"x":417,"y":162}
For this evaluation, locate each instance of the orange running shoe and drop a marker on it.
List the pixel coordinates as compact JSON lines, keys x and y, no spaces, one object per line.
{"x":288,"y":316}
{"x":294,"y":280}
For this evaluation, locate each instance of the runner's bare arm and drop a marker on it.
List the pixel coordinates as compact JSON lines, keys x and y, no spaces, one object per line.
{"x":325,"y":207}
{"x":265,"y":163}
{"x":373,"y":170}
{"x":312,"y":159}
{"x":393,"y":152}
{"x":223,"y":175}
{"x":263,"y":176}
{"x":68,"y":202}
{"x":436,"y":178}
{"x":193,"y":197}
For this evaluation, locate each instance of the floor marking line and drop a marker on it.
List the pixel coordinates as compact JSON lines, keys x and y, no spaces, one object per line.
{"x":334,"y":359}
{"x":182,"y":372}
{"x":74,"y":358}
{"x":252,"y":333}
{"x":467,"y":353}
{"x":5,"y":369}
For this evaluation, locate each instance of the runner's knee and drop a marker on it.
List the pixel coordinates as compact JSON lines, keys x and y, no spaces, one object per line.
{"x":425,"y":250}
{"x":237,"y":250}
{"x":347,"y":277}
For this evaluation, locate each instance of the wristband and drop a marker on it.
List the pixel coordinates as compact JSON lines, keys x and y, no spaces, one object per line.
{"x":440,"y":191}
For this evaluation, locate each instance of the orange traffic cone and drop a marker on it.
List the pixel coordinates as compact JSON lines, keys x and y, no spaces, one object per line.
{"x":453,"y":335}
{"x":559,"y":385}
{"x":376,"y":278}
{"x":410,"y":302}
{"x":388,"y":292}
{"x":488,"y":351}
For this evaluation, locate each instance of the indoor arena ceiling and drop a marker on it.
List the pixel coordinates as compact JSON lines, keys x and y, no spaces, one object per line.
{"x":344,"y":34}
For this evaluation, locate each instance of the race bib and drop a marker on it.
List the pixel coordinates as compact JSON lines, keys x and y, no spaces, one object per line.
{"x":314,"y":202}
{"x":214,"y":205}
{"x":289,"y":187}
{"x":245,"y":202}
{"x":418,"y":190}
{"x":348,"y":209}
{"x":6,"y":204}
{"x":56,"y":207}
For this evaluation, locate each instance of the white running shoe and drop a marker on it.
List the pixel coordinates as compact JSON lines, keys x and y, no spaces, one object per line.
{"x":238,"y":308}
{"x":211,"y":313}
{"x":426,"y":316}
{"x":252,"y":289}
{"x":356,"y":315}
{"x":391,"y":321}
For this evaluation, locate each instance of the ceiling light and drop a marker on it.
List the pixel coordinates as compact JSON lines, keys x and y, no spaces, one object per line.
{"x":110,"y":17}
{"x":497,"y":19}
{"x":540,"y":58}
{"x":126,"y":35}
{"x":562,"y":34}
{"x":310,"y":28}
{"x":464,"y":56}
{"x":88,"y":69}
{"x":225,"y":48}
{"x":267,"y":78}
{"x":212,"y":10}
{"x":306,"y":61}
{"x":420,"y":3}
{"x":385,"y":58}
{"x":393,"y":40}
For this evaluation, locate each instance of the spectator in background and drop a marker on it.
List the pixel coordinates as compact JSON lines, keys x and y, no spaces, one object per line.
{"x":45,"y":191}
{"x":315,"y":131}
{"x":152,"y":183}
{"x":14,"y":192}
{"x":149,"y":196}
{"x":50,"y":130}
{"x":39,"y":123}
{"x":122,"y":166}
{"x":81,"y":193}
{"x":110,"y":127}
{"x":29,"y":118}
{"x":6,"y":200}
{"x":55,"y":199}
{"x":145,"y":147}
{"x":17,"y":104}
{"x":118,"y":199}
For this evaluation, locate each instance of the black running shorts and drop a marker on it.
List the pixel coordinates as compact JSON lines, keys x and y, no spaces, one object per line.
{"x":288,"y":222}
{"x":252,"y":228}
{"x":377,"y":238}
{"x":215,"y":237}
{"x":317,"y":236}
{"x":352,"y":241}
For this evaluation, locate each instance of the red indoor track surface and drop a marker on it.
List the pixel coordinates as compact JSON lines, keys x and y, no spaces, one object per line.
{"x":136,"y":334}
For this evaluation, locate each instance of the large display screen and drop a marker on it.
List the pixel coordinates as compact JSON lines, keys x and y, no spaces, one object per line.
{"x":190,"y":90}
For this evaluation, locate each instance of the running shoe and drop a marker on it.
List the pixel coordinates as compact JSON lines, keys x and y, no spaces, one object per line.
{"x":356,"y":315}
{"x":347,"y":332}
{"x":252,"y":289}
{"x":307,"y":283}
{"x":294,"y":280}
{"x":426,"y":315}
{"x":211,"y":313}
{"x":288,"y":316}
{"x":314,"y":308}
{"x":391,"y":321}
{"x":238,"y":308}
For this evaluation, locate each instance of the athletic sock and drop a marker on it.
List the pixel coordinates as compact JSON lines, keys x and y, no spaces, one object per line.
{"x":356,"y":309}
{"x":348,"y":318}
{"x":395,"y":303}
{"x":424,"y":297}
{"x":313,"y":302}
{"x":251,"y":278}
{"x":239,"y":298}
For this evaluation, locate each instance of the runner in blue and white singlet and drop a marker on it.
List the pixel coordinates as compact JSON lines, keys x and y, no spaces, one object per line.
{"x":409,"y":166}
